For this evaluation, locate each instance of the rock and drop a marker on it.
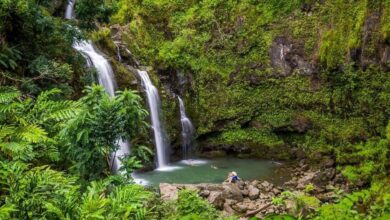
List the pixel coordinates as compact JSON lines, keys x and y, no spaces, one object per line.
{"x":215,"y":154}
{"x":339,"y":178}
{"x":216,"y":199}
{"x":327,"y":197}
{"x":168,"y":191}
{"x":245,"y":192}
{"x":271,"y":210}
{"x":305,"y":167}
{"x":279,"y":49}
{"x":228,"y":209}
{"x":322,"y":178}
{"x":302,"y":163}
{"x":204,"y":193}
{"x":230,"y":201}
{"x":241,"y":184}
{"x":267,"y":186}
{"x":327,"y":162}
{"x":276,"y":191}
{"x":253,"y":192}
{"x":240,"y":207}
{"x":231,"y":191}
{"x":263,"y":196}
{"x":290,"y":205}
{"x":306,"y":179}
{"x":254,"y":183}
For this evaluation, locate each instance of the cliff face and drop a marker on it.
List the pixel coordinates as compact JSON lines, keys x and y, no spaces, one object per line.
{"x":264,"y":78}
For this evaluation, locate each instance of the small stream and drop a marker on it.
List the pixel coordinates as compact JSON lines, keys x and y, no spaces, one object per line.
{"x":216,"y":171}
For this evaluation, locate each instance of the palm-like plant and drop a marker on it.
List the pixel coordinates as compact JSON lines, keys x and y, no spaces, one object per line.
{"x":24,"y":123}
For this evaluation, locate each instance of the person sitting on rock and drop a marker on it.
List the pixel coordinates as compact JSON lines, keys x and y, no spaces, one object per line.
{"x":234,"y":177}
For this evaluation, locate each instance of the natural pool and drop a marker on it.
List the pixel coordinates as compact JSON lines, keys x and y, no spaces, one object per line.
{"x":215,"y":171}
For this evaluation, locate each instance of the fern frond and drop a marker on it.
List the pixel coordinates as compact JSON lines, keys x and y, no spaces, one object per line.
{"x":8,"y":94}
{"x":32,"y":134}
{"x":18,"y":150}
{"x":6,"y":130}
{"x":6,"y":211}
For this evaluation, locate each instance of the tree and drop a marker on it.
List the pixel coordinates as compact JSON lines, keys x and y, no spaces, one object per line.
{"x":92,"y":136}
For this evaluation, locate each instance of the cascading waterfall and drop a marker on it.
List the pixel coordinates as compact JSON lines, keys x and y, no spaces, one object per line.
{"x":155,"y":111}
{"x":187,"y":130}
{"x":106,"y":79}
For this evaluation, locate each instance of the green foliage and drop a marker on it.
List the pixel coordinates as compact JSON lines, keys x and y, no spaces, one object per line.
{"x":85,"y":132}
{"x":191,"y":206}
{"x":24,"y":124}
{"x":365,"y":204}
{"x":279,"y":217}
{"x":36,"y":48}
{"x":91,"y":11}
{"x":344,"y":31}
{"x":91,"y":136}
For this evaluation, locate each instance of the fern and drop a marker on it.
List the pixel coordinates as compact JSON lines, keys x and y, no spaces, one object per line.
{"x":6,"y":211}
{"x":32,"y":134}
{"x":8,"y":94}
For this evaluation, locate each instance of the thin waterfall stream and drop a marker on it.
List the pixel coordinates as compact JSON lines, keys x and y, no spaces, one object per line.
{"x":155,"y":112}
{"x":187,"y":131}
{"x":105,"y":77}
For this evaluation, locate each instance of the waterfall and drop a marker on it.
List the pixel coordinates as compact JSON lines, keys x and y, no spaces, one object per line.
{"x":187,"y":130}
{"x":69,"y":13}
{"x":155,"y":111}
{"x":118,"y":53}
{"x":106,"y":79}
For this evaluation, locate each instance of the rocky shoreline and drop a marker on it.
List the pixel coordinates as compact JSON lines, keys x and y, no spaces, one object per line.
{"x":305,"y":191}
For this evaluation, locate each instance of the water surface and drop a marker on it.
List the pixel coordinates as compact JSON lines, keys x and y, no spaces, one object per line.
{"x":216,"y":171}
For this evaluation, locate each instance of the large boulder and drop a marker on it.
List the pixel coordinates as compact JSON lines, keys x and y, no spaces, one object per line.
{"x":253,"y":192}
{"x":168,"y":191}
{"x":216,"y":199}
{"x":231,"y":191}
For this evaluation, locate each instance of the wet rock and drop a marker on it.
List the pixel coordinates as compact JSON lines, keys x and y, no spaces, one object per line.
{"x":279,"y":49}
{"x":286,"y":57}
{"x":216,"y":199}
{"x":253,"y":192}
{"x":215,"y":154}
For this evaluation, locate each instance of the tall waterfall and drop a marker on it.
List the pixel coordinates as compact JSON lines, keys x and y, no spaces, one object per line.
{"x":155,"y":111}
{"x":106,"y":79}
{"x":187,"y":130}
